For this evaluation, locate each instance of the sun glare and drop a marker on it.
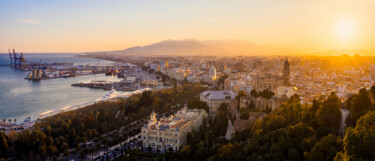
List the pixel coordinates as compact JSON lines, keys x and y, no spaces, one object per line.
{"x":345,"y":29}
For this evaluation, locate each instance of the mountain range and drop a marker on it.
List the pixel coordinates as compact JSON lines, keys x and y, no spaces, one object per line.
{"x":191,"y":47}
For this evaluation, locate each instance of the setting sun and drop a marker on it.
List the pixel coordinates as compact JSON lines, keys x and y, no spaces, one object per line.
{"x":346,"y":29}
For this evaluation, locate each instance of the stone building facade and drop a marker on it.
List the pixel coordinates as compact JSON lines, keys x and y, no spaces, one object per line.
{"x":272,"y":82}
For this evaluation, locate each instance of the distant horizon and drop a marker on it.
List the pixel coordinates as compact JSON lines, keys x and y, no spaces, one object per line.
{"x":79,"y":26}
{"x":304,"y":53}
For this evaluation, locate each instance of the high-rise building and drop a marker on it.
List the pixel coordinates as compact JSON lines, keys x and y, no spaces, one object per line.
{"x":286,"y":73}
{"x":212,"y":72}
{"x":163,"y":64}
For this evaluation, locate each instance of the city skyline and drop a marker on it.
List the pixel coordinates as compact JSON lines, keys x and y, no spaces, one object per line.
{"x":82,"y":26}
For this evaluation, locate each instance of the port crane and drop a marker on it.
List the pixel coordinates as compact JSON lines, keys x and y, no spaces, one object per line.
{"x":95,"y":69}
{"x":16,"y":59}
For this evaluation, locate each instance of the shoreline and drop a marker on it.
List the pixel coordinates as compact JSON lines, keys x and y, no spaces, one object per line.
{"x":17,"y":126}
{"x":51,"y":113}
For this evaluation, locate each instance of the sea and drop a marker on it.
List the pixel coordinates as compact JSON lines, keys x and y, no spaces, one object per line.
{"x":21,"y":98}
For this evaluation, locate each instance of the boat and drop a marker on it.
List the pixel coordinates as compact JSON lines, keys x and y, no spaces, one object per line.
{"x":28,"y":119}
{"x":113,"y":93}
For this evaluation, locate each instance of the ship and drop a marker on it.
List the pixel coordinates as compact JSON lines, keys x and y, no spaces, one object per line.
{"x":112,"y":72}
{"x":28,"y":119}
{"x":111,"y":94}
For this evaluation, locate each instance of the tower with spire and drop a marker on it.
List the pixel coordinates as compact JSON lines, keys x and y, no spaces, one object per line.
{"x":286,"y":73}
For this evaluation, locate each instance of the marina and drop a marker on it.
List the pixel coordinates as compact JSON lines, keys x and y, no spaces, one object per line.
{"x":20,"y":98}
{"x":133,"y":80}
{"x":120,"y":81}
{"x":39,"y":70}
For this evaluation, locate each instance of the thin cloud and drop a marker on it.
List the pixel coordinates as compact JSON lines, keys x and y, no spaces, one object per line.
{"x":30,"y":21}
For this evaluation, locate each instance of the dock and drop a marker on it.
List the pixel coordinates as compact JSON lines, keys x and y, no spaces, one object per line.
{"x":118,"y":86}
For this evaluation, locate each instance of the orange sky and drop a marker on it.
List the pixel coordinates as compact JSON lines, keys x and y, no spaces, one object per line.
{"x":80,"y":26}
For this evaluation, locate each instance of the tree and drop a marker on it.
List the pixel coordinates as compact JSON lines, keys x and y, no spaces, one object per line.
{"x":359,"y":142}
{"x":373,"y":92}
{"x":294,"y":154}
{"x":66,"y":152}
{"x":52,"y":150}
{"x":360,"y":105}
{"x":226,"y":152}
{"x":42,"y":150}
{"x":3,"y":144}
{"x":198,"y":104}
{"x":244,"y":114}
{"x":254,"y":93}
{"x":240,"y":94}
{"x":267,"y":93}
{"x":238,"y":97}
{"x":329,"y":116}
{"x":325,"y":149}
{"x":310,"y":114}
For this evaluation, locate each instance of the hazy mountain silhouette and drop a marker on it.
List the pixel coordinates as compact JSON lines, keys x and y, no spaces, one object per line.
{"x":351,"y":52}
{"x":191,"y":47}
{"x":194,"y":47}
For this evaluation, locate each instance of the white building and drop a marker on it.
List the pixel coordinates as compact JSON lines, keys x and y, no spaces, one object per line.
{"x":155,"y":67}
{"x":170,"y":133}
{"x":163,"y":64}
{"x":215,"y":98}
{"x":195,"y":115}
{"x":212,"y":72}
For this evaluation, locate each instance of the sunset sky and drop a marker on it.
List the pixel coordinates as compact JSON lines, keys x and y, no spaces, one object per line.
{"x":103,"y":25}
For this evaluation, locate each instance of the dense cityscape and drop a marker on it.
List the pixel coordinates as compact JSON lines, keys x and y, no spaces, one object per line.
{"x":227,"y":100}
{"x":190,"y":80}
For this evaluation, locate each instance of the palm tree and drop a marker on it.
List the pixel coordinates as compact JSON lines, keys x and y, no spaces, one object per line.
{"x":4,"y":119}
{"x":10,"y":120}
{"x":15,"y":120}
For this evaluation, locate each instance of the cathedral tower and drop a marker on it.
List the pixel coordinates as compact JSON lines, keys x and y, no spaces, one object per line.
{"x":286,"y":73}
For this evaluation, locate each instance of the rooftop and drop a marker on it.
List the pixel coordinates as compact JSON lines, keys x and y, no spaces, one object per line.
{"x":218,"y":95}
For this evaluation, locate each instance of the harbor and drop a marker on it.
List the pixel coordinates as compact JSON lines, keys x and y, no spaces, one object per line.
{"x":91,"y":81}
{"x":20,"y":98}
{"x":134,"y":79}
{"x":27,"y":123}
{"x":39,"y":70}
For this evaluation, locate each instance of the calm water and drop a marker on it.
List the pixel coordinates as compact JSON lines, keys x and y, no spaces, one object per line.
{"x":21,"y":98}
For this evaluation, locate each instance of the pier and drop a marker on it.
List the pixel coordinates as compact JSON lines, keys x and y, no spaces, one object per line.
{"x":118,"y":86}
